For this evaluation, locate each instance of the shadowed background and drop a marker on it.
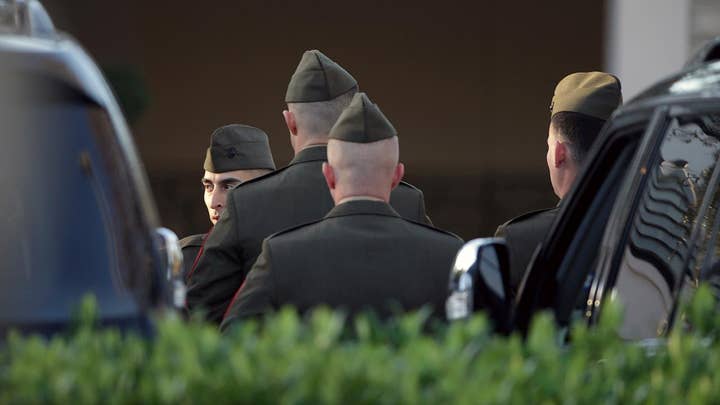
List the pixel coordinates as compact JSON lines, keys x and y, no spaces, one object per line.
{"x":467,"y":85}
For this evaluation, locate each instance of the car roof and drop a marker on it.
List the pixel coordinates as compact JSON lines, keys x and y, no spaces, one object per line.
{"x":58,"y":57}
{"x":694,"y":83}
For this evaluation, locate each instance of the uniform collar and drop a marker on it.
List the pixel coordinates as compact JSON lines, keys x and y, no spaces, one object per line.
{"x":193,"y":240}
{"x":311,"y":154}
{"x":362,"y":207}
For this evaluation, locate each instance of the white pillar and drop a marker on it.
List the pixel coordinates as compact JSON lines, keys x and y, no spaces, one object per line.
{"x":646,"y":40}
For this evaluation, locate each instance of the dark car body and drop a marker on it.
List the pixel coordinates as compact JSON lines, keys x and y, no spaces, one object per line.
{"x":640,"y":225}
{"x":77,"y":216}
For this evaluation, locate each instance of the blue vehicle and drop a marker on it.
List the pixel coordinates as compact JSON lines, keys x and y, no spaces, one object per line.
{"x":77,"y":216}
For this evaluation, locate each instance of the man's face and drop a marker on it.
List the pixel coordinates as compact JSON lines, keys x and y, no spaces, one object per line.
{"x":551,"y":146}
{"x":217,"y":186}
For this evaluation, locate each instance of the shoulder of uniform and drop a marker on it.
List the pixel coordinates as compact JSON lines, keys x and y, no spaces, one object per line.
{"x":192,"y":240}
{"x":432,"y":228}
{"x":293,"y":229}
{"x":408,"y":185}
{"x":262,"y":177}
{"x":528,"y":215}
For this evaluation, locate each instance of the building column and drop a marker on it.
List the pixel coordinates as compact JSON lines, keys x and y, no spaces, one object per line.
{"x":646,"y":40}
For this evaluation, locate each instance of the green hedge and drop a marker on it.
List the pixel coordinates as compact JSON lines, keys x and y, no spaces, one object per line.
{"x":295,"y":362}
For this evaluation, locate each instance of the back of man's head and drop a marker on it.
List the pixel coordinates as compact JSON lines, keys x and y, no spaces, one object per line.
{"x":315,"y":119}
{"x":581,"y":105}
{"x":363,"y":153}
{"x":318,"y":92}
{"x":578,"y":130}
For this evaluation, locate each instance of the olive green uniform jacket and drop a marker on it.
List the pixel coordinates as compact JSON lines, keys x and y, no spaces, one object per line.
{"x":361,"y":256}
{"x":290,"y":196}
{"x":523,"y":234}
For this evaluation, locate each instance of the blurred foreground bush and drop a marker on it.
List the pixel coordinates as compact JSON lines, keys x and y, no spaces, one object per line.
{"x":323,"y":361}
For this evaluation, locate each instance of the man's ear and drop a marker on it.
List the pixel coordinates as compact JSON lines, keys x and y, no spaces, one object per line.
{"x":290,"y":121}
{"x":398,"y":175}
{"x":329,"y":175}
{"x":561,"y":153}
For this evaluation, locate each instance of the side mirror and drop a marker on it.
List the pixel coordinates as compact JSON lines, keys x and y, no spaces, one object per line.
{"x":479,"y":280}
{"x":173,"y":262}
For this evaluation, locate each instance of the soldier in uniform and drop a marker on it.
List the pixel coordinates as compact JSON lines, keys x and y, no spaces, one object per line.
{"x":237,"y":153}
{"x":318,"y":92}
{"x":581,"y":105}
{"x":362,"y":255}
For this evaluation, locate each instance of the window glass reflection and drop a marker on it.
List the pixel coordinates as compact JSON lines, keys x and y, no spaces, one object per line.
{"x":661,"y":251}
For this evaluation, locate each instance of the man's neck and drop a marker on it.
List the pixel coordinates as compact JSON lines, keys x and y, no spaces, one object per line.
{"x":359,"y":198}
{"x":308,"y":145}
{"x":566,"y":185}
{"x":315,"y":145}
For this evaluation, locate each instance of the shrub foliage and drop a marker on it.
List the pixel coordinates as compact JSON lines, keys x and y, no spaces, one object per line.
{"x":323,"y":360}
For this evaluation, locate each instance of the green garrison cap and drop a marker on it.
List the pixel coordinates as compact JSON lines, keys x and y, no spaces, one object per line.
{"x":238,"y":147}
{"x":318,"y":78}
{"x":362,"y":122}
{"x":596,"y":94}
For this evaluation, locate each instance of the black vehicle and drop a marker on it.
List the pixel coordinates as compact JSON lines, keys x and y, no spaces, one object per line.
{"x":77,"y":213}
{"x":641,"y":225}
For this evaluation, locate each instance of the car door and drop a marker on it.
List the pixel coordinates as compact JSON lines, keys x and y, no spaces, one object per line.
{"x":662,"y":240}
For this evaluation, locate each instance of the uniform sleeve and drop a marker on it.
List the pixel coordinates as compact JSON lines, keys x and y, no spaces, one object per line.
{"x":257,"y":294}
{"x":219,"y":271}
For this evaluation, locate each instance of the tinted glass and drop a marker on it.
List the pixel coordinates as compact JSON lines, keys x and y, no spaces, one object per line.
{"x":671,"y":226}
{"x":61,"y":226}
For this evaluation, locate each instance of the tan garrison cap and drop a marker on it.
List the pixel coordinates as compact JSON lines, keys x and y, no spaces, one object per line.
{"x":362,"y":122}
{"x":596,"y":94}
{"x":238,"y":147}
{"x":318,"y":78}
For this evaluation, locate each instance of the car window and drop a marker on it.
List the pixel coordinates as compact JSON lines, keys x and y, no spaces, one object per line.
{"x":60,"y":234}
{"x":671,"y":227}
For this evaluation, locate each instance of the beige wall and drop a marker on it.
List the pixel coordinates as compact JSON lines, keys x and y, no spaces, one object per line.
{"x":647,"y":40}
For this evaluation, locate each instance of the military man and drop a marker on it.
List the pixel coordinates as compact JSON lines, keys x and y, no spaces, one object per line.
{"x":362,"y":255}
{"x":237,"y":153}
{"x":581,"y":105}
{"x":318,"y":92}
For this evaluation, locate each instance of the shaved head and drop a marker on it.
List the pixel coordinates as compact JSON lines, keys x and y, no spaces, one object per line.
{"x":315,"y":119}
{"x":363,"y":169}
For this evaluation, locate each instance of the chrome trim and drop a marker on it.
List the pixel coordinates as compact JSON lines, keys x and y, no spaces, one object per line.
{"x":26,"y":17}
{"x":476,"y":244}
{"x":460,"y":302}
{"x":174,"y":260}
{"x":39,"y":22}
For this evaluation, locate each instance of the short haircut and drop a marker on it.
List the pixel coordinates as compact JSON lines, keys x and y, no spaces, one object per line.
{"x":317,"y":118}
{"x":364,"y":168}
{"x":579,"y":130}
